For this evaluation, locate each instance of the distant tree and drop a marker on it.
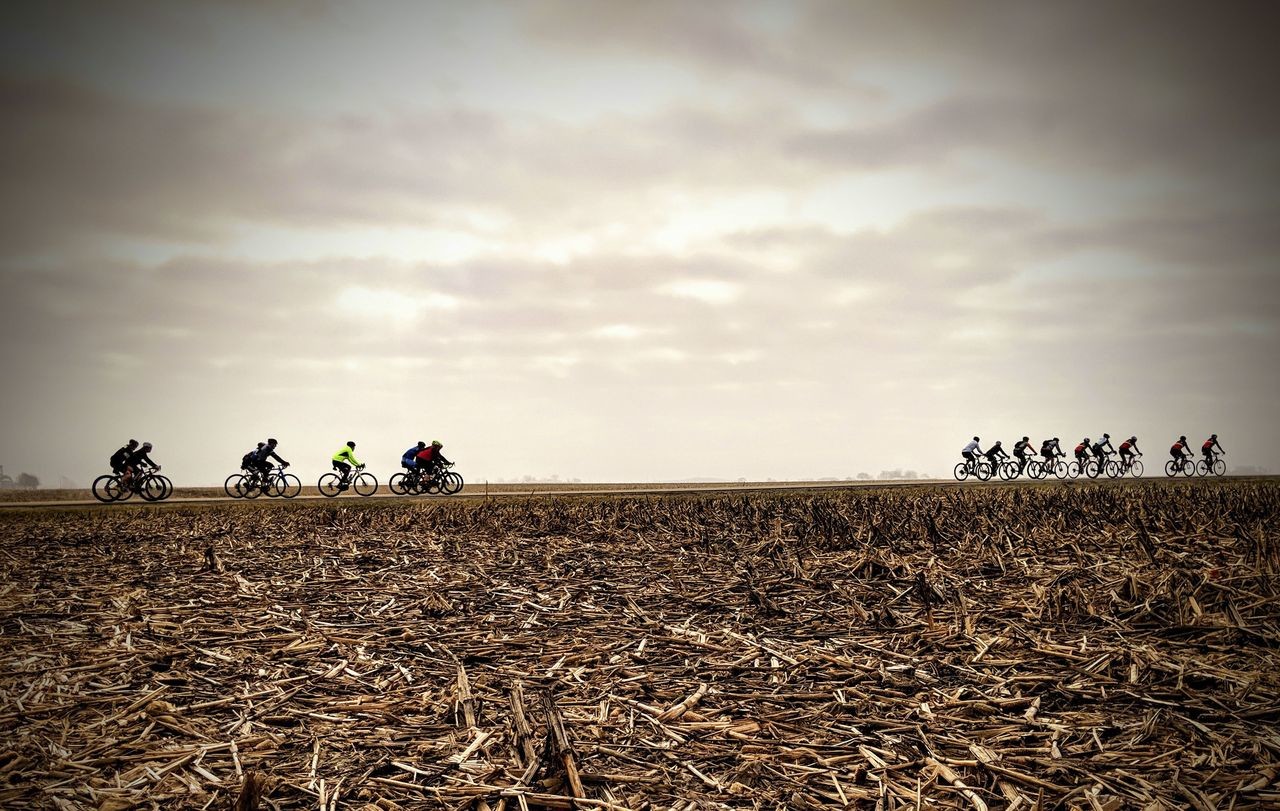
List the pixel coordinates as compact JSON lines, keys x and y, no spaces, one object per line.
{"x":909,"y":474}
{"x":527,"y":478}
{"x":27,"y":481}
{"x":891,"y":474}
{"x":742,"y":478}
{"x":864,"y":476}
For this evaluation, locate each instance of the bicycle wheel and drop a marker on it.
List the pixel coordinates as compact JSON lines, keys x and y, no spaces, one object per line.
{"x":232,"y":485}
{"x":984,"y":471}
{"x":1135,"y":469}
{"x":330,"y":485}
{"x":1036,"y":469}
{"x":396,"y":484}
{"x":1219,"y":467}
{"x":151,"y":488}
{"x":1172,"y":468}
{"x":1113,"y":469}
{"x":1091,"y":469}
{"x":288,"y":486}
{"x":249,"y":487}
{"x":452,"y":483}
{"x":961,"y":471}
{"x":1188,"y":468}
{"x":102,"y":488}
{"x":366,"y":484}
{"x":1008,"y":471}
{"x":1060,"y":469}
{"x":1201,"y":468}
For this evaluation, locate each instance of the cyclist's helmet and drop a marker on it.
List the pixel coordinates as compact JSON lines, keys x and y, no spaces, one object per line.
{"x":133,"y":443}
{"x":1133,"y":439}
{"x":435,"y":443}
{"x":351,"y":445}
{"x":1106,"y":436}
{"x":1086,"y":440}
{"x":421,"y":444}
{"x":997,"y":443}
{"x":272,"y":441}
{"x":146,"y":446}
{"x":262,"y":444}
{"x":1182,"y":439}
{"x":1026,"y":439}
{"x":975,"y":439}
{"x":1215,"y":436}
{"x":1055,"y":439}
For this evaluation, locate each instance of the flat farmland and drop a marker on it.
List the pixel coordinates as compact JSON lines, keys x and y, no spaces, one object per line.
{"x":1102,"y":645}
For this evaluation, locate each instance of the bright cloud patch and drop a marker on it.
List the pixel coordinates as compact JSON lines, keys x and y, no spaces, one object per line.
{"x":397,"y":307}
{"x":708,"y":291}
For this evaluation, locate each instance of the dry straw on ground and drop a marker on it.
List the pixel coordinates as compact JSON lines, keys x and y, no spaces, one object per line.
{"x":1103,"y":646}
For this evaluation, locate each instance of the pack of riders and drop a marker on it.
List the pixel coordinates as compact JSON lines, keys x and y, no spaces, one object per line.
{"x":1051,"y":450}
{"x":131,"y":460}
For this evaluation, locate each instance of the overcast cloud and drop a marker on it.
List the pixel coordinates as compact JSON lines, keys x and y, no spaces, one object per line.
{"x":624,"y":241}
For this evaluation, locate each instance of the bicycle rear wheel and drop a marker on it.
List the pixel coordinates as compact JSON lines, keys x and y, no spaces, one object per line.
{"x":1008,"y":471}
{"x":961,"y":471}
{"x":330,"y":485}
{"x":1201,"y":468}
{"x":102,"y":488}
{"x":396,"y":484}
{"x":232,"y":485}
{"x":452,"y":483}
{"x":984,"y":471}
{"x":366,"y":484}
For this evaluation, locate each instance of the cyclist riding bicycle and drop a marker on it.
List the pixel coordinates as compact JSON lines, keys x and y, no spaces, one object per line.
{"x":1129,"y":449}
{"x":1050,"y":450}
{"x":995,"y":454}
{"x":133,"y":465}
{"x":118,"y":458}
{"x":1179,"y":451}
{"x":1103,"y":447}
{"x":1207,"y":449}
{"x":261,"y":461}
{"x":407,"y":459}
{"x":971,"y":452}
{"x":1022,"y":450}
{"x":1082,"y":453}
{"x":343,"y":459}
{"x":430,"y":459}
{"x":247,"y":461}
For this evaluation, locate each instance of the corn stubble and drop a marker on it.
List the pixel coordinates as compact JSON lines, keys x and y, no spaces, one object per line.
{"x":1100,"y":646}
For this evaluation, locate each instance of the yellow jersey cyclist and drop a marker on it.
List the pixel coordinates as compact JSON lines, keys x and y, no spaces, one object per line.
{"x":343,"y":460}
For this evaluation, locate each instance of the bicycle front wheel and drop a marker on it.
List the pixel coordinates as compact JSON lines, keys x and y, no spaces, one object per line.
{"x":288,"y":486}
{"x":1008,"y":472}
{"x":452,"y":483}
{"x":106,"y":488}
{"x":1113,"y":469}
{"x":1219,"y":467}
{"x":984,"y":471}
{"x":1135,"y":469}
{"x":366,"y":484}
{"x":330,"y":485}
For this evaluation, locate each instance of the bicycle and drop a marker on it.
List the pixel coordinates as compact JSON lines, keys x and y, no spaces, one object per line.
{"x":149,"y":484}
{"x":979,"y":468}
{"x":331,"y":484}
{"x":413,"y":482}
{"x":1117,"y":468}
{"x":1007,"y":470}
{"x":1185,"y":466}
{"x":251,"y":483}
{"x":1040,"y":468}
{"x":1097,"y":466}
{"x":1217,"y":467}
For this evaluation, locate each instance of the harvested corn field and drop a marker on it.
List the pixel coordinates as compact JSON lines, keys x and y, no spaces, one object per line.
{"x":1103,"y":646}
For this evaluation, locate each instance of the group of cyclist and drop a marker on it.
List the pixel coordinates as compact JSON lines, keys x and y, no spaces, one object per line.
{"x":1101,"y":449}
{"x":133,"y":459}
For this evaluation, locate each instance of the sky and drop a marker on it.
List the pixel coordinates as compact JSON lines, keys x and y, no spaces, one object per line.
{"x":626,"y":241}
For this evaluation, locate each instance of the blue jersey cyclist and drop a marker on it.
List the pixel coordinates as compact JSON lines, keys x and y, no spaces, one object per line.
{"x":408,"y":459}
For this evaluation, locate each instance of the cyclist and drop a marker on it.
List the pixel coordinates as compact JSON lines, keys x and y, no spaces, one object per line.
{"x":1102,"y":448}
{"x":1207,"y":449}
{"x":343,"y":459}
{"x":430,"y":459}
{"x":1179,"y":451}
{"x":263,"y":456}
{"x":971,"y":452}
{"x":133,"y":465}
{"x":1082,"y":453}
{"x":118,"y":458}
{"x":1128,"y":450}
{"x":247,"y":461}
{"x":407,"y":459}
{"x":1022,"y":450}
{"x":1050,"y":450}
{"x":995,"y":454}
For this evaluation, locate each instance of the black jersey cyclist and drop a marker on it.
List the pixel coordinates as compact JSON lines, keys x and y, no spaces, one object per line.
{"x":995,"y":454}
{"x":263,"y":456}
{"x":1050,"y":449}
{"x":138,"y":462}
{"x":248,"y":461}
{"x":1022,"y":450}
{"x":119,"y":458}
